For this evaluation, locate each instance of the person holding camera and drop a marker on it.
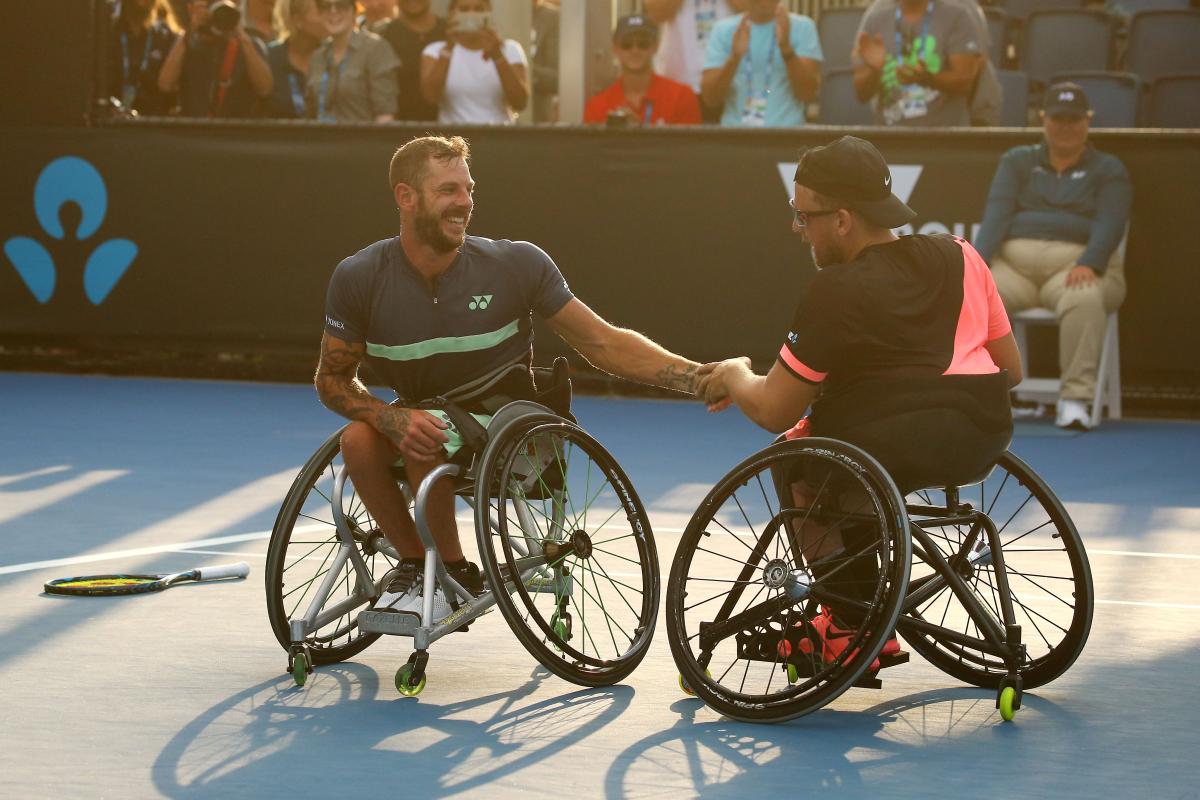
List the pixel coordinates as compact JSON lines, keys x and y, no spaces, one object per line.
{"x":143,"y":33}
{"x":639,"y":96}
{"x":474,"y":76}
{"x":352,"y":75}
{"x":218,"y":69}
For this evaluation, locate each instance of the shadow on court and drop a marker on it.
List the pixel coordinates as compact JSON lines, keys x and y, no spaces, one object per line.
{"x":338,"y":734}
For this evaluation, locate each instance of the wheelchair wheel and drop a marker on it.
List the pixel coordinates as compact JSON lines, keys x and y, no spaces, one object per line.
{"x":1050,"y":581}
{"x":759,"y":561}
{"x":562,"y":530}
{"x":303,"y":544}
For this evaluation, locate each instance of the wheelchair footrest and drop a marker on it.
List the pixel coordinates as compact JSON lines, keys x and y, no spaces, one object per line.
{"x":893,"y":661}
{"x":393,"y":623}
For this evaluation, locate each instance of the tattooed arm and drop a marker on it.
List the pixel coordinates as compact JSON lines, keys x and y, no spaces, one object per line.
{"x":416,"y":434}
{"x":622,"y":352}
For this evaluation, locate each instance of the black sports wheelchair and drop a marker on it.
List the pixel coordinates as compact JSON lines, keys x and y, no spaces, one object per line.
{"x":565,"y":544}
{"x":956,"y":545}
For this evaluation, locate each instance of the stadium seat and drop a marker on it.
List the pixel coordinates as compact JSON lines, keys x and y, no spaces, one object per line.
{"x":998,"y":33}
{"x":837,"y":29}
{"x":1174,"y":102}
{"x":839,"y":103}
{"x":1130,"y":7}
{"x":1015,"y":111}
{"x":1163,"y":43}
{"x":1019,"y":10}
{"x":1114,"y":96}
{"x":1066,"y":41}
{"x":1108,"y":372}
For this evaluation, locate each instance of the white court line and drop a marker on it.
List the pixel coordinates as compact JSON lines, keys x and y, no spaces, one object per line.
{"x":220,"y":553}
{"x":1147,"y":604}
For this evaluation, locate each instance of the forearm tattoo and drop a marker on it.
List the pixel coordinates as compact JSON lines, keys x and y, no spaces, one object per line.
{"x":673,"y":376}
{"x":337,"y":380}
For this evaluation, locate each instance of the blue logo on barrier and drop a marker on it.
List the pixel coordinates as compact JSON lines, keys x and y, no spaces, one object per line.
{"x":70,"y":180}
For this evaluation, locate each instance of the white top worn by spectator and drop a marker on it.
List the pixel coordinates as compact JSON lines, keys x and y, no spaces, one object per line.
{"x":473,"y":93}
{"x":684,"y":36}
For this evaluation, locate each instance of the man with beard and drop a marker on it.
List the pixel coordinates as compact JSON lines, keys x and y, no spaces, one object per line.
{"x":431,"y":310}
{"x":412,"y":31}
{"x":902,"y":342}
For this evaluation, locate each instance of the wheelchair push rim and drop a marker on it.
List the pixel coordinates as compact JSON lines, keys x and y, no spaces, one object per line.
{"x":551,"y":499}
{"x":745,"y":641}
{"x":303,"y":545}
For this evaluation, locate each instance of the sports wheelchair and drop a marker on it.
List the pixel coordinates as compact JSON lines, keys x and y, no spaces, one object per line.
{"x":986,"y":578}
{"x":565,"y":544}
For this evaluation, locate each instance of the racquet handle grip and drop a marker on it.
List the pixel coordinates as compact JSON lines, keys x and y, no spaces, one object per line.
{"x":239,"y":570}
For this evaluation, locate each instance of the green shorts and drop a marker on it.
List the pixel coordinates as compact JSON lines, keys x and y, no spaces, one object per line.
{"x":455,"y":442}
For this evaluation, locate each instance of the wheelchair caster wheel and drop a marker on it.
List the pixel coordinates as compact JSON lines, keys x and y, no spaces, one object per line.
{"x":1008,"y":696}
{"x":688,"y":689}
{"x":561,"y":625}
{"x":405,"y":683}
{"x":300,"y":668}
{"x":793,"y":674}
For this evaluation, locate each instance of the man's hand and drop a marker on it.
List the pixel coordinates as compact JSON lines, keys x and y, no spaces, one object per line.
{"x":1081,"y":276}
{"x":713,"y":388}
{"x":783,"y":28}
{"x":918,"y":73}
{"x":418,"y":435}
{"x":741,"y":39}
{"x":871,"y":50}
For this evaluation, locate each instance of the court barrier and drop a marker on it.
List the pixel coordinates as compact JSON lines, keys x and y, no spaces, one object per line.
{"x":221,"y":238}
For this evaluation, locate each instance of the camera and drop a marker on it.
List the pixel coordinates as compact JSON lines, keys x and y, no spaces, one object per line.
{"x":223,"y":18}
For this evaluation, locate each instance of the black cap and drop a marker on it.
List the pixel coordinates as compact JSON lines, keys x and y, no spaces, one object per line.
{"x":852,"y":170}
{"x":1066,"y":98}
{"x":635,"y":23}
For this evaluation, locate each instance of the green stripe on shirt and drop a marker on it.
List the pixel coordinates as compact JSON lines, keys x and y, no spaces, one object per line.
{"x":445,"y":344}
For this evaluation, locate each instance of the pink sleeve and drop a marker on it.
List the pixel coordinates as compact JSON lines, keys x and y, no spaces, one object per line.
{"x":998,"y":324}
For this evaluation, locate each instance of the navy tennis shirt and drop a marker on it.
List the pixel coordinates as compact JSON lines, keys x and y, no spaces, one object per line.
{"x":424,"y":342}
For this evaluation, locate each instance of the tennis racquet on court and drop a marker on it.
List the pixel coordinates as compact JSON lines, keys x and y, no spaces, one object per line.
{"x":141,"y":584}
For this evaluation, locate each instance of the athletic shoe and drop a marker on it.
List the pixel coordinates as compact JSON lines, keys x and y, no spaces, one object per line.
{"x":835,"y":639}
{"x":1073,"y":414}
{"x":469,"y":577}
{"x":401,"y":585}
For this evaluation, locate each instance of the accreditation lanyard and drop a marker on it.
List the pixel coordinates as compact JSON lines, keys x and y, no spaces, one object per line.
{"x":297,"y":93}
{"x":706,"y":17}
{"x":754,"y":111}
{"x":325,"y":98}
{"x":129,"y":82}
{"x":924,"y":31}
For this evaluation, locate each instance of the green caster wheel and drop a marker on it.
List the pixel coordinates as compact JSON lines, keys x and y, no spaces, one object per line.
{"x":300,"y":668}
{"x":1007,"y":695}
{"x":688,"y":689}
{"x":562,"y":629}
{"x":404,"y":683}
{"x":792,"y":674}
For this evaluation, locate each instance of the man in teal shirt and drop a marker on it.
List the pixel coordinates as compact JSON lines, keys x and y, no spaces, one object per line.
{"x":762,"y":67}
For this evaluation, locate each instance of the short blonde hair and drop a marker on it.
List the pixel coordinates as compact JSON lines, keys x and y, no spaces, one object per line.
{"x":410,"y":164}
{"x":286,"y":12}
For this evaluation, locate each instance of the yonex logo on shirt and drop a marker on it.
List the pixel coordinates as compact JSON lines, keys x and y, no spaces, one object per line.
{"x":479,"y":301}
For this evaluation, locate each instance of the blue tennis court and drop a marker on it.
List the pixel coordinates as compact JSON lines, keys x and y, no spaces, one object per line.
{"x":184,"y":694}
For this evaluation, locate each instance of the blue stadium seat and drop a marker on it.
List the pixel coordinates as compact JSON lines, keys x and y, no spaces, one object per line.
{"x":839,"y":103}
{"x":1163,"y":43}
{"x":1066,"y":41}
{"x":1015,"y":111}
{"x":1019,"y":10}
{"x":1114,"y":96}
{"x":998,"y":33}
{"x":837,"y":29}
{"x":1174,"y":102}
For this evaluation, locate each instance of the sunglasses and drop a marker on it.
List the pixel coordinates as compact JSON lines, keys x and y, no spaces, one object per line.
{"x":800,"y":218}
{"x":640,"y":42}
{"x":335,"y":5}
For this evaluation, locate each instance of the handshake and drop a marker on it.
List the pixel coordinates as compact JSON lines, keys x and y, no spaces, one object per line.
{"x":713,"y":381}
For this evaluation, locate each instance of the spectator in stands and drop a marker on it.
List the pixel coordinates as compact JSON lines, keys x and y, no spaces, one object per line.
{"x":639,"y":95}
{"x":376,"y":14}
{"x":409,"y":34}
{"x":218,"y":69}
{"x":762,"y":66}
{"x":143,"y":32}
{"x":686,"y":27}
{"x":1055,"y":218}
{"x":918,"y":59}
{"x":303,"y":31}
{"x":260,"y":20}
{"x":352,"y":75}
{"x":543,"y":60}
{"x":474,"y":76}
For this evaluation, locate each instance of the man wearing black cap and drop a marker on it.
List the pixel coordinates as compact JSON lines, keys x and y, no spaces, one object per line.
{"x":1055,"y":218}
{"x":901,"y":342}
{"x":639,"y":95}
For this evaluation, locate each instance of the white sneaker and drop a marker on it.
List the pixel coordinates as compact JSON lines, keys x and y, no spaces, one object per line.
{"x":1073,"y":414}
{"x":401,"y":586}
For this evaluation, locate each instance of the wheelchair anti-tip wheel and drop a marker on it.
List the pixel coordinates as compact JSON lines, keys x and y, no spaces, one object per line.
{"x":798,"y":528}
{"x":1050,"y":582}
{"x":561,"y":529}
{"x":303,"y":544}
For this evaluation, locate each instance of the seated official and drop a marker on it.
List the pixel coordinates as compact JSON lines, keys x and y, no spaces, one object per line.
{"x":639,"y":95}
{"x":1055,"y":217}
